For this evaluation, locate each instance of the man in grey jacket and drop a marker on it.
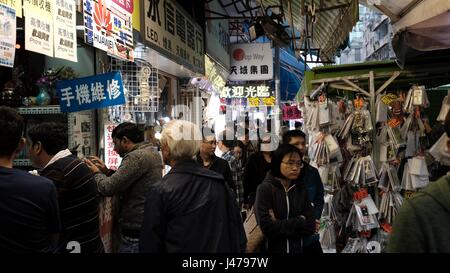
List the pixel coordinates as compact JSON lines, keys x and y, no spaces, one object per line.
{"x":141,"y":166}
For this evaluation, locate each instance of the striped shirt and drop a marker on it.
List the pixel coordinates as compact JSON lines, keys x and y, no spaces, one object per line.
{"x":78,"y":201}
{"x":237,"y":173}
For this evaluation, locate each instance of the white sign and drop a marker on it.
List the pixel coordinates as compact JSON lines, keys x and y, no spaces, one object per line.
{"x":251,"y":62}
{"x":168,"y":26}
{"x":109,"y":27}
{"x":15,"y":4}
{"x":218,"y":42}
{"x":112,"y":159}
{"x":39,"y":26}
{"x":64,"y":18}
{"x":7,"y":35}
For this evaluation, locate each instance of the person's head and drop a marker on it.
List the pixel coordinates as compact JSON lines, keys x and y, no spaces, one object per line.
{"x":298,"y":125}
{"x":296,"y":138}
{"x":268,"y":143}
{"x":447,"y":129}
{"x":11,"y":140}
{"x":286,"y":162}
{"x":238,"y":149}
{"x":226,"y":141}
{"x":125,"y":136}
{"x":180,"y":140}
{"x":208,"y":145}
{"x":45,"y":140}
{"x":244,"y":136}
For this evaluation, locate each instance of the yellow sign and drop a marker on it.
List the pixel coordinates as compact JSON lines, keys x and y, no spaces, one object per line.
{"x":136,"y":15}
{"x":16,"y":4}
{"x":269,"y":101}
{"x":389,"y":98}
{"x":253,"y":102}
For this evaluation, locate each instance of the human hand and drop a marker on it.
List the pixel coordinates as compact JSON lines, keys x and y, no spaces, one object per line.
{"x":272,"y":215}
{"x":91,"y":165}
{"x":99,"y":164}
{"x":317,"y":225}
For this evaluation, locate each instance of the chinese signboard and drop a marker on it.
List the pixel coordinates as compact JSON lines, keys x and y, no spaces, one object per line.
{"x":108,"y":26}
{"x":291,"y":112}
{"x":91,"y":92}
{"x":7,"y":35}
{"x":39,"y":26}
{"x":65,"y":30}
{"x":251,"y":62}
{"x":218,"y":42}
{"x":15,"y":4}
{"x":126,"y":5}
{"x":215,"y":74}
{"x":247,"y":91}
{"x":168,"y":27}
{"x":112,"y":159}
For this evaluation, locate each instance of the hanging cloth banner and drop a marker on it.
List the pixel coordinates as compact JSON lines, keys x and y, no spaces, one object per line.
{"x":91,"y":92}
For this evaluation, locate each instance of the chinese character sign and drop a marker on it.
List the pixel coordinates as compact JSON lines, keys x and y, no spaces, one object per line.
{"x":112,"y":159}
{"x":91,"y":92}
{"x":39,"y":26}
{"x":170,"y":28}
{"x":64,"y":18}
{"x":247,"y":91}
{"x":108,"y":27}
{"x":7,"y":36}
{"x":15,"y":4}
{"x":251,"y":62}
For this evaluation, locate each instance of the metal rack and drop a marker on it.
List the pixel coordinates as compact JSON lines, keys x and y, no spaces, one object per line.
{"x":39,"y":110}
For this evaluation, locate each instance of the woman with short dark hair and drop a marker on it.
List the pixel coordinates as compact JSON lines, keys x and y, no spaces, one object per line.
{"x":282,"y":208}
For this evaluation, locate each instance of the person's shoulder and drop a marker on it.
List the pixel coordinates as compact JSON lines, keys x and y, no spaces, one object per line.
{"x":32,"y":181}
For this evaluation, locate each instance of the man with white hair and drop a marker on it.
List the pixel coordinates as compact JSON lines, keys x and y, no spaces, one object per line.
{"x":192,"y":209}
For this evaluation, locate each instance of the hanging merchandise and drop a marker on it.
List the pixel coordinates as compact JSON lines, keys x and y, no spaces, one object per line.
{"x":444,"y":108}
{"x":361,"y":171}
{"x":330,"y":176}
{"x":439,"y":150}
{"x":324,"y":111}
{"x":326,"y":150}
{"x":415,"y":174}
{"x":327,"y":226}
{"x":391,"y":200}
{"x":362,"y":216}
{"x":417,"y":96}
{"x":382,"y":110}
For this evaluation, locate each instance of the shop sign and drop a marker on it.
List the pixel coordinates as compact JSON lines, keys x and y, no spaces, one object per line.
{"x":214,"y":74}
{"x":108,"y":27}
{"x":245,"y":91}
{"x":7,"y":36}
{"x":91,"y":92}
{"x":15,"y":4}
{"x":39,"y":26}
{"x":218,"y":39}
{"x":126,"y":5}
{"x":65,"y":41}
{"x":251,"y":62}
{"x":112,"y":158}
{"x":170,"y":29}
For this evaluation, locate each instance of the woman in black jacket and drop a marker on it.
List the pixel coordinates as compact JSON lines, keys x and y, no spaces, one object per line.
{"x":282,"y":208}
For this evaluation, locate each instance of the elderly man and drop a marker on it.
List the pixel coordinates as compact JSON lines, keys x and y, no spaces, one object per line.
{"x":192,"y":209}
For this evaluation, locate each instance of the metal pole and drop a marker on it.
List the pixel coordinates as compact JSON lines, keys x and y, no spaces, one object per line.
{"x":278,"y":114}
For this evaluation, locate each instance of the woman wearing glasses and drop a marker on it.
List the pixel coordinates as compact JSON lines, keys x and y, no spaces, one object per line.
{"x":282,"y":209}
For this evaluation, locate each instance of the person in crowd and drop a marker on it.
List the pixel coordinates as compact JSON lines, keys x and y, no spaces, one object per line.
{"x":208,"y":159}
{"x":282,"y":208}
{"x":141,"y":167}
{"x":423,"y":221}
{"x":78,"y":198}
{"x":29,"y":213}
{"x":309,"y":176}
{"x":192,"y":210}
{"x":249,"y":148}
{"x":256,"y":169}
{"x":238,"y":151}
{"x":226,"y":146}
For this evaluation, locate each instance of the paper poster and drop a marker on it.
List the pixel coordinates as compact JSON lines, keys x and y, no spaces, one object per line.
{"x":108,"y":27}
{"x":112,"y":159}
{"x":39,"y":26}
{"x":7,"y":35}
{"x":15,"y":4}
{"x":64,"y":19}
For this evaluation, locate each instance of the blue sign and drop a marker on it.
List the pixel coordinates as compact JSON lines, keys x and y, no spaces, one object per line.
{"x":91,"y":92}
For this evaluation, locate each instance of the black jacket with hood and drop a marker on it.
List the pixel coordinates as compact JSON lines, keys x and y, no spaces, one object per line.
{"x":293,"y":213}
{"x":192,"y":210}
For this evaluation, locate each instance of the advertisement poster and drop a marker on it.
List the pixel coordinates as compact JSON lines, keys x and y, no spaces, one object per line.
{"x":64,"y":19}
{"x":15,"y":4}
{"x":250,"y":62}
{"x":108,"y":27}
{"x":7,"y":35}
{"x":39,"y":26}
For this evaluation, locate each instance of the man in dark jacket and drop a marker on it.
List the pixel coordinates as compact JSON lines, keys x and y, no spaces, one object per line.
{"x":207,"y":158}
{"x":309,"y":176}
{"x":192,"y":209}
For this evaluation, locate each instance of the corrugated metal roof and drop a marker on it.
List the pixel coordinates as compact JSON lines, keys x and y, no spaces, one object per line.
{"x":331,"y":27}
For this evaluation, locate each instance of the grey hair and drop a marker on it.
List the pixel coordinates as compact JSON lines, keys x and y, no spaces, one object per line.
{"x":183,"y":139}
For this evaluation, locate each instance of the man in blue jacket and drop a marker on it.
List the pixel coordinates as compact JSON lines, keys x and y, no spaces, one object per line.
{"x":314,"y":186}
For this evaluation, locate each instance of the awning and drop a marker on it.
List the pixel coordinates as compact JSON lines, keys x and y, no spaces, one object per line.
{"x":334,"y":21}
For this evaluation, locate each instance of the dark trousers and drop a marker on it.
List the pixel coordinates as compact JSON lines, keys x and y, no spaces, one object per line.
{"x":313,"y":247}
